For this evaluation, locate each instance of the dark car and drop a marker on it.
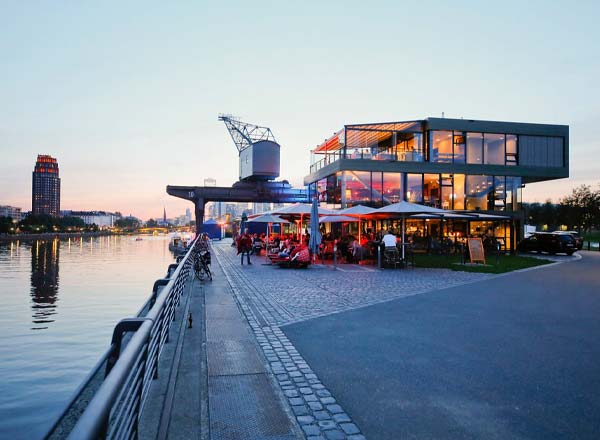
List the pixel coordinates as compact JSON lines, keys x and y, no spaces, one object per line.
{"x":550,"y":242}
{"x":578,"y":238}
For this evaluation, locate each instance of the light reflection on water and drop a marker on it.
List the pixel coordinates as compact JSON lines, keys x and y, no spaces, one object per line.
{"x":59,"y":301}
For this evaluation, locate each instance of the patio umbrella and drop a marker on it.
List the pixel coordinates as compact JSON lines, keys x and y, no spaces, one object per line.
{"x":269,"y":219}
{"x":315,"y":233}
{"x":337,"y":219}
{"x":358,"y":211}
{"x":405,"y":209}
{"x":300,"y":209}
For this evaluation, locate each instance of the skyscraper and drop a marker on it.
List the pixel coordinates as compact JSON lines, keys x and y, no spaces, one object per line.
{"x":45,"y":194}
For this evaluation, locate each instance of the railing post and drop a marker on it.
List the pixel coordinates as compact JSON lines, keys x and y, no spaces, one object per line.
{"x":123,"y":326}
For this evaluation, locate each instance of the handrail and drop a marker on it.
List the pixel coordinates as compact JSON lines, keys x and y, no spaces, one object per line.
{"x":115,"y":408}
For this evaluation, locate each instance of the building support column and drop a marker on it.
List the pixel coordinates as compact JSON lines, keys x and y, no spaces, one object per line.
{"x":199,"y":204}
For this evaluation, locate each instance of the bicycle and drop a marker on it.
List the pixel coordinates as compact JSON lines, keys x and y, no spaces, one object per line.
{"x":202,"y":266}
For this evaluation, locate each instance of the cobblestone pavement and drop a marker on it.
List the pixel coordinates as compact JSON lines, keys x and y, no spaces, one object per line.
{"x":271,"y":297}
{"x":285,"y":296}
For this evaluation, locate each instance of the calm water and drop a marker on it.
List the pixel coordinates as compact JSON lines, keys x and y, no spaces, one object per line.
{"x":59,"y":301}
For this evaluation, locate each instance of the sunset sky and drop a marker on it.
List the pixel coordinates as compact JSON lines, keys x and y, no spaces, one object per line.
{"x":126,"y":94}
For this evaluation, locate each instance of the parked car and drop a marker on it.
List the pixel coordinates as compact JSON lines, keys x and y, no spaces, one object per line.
{"x":578,"y":238}
{"x":550,"y":242}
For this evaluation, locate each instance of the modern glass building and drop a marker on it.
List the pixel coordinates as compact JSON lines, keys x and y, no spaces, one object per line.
{"x":45,"y":194}
{"x":454,"y":164}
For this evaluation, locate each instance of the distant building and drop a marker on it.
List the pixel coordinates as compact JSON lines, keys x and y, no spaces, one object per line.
{"x":188,"y":215}
{"x":102,"y":219}
{"x":11,"y":211}
{"x":45,"y":194}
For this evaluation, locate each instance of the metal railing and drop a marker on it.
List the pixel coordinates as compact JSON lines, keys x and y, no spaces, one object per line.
{"x":115,"y":408}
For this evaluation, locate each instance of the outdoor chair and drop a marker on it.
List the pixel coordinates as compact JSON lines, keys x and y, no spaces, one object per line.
{"x":391,"y":257}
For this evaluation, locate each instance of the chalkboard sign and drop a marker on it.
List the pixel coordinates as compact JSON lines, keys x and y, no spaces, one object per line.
{"x":476,"y":250}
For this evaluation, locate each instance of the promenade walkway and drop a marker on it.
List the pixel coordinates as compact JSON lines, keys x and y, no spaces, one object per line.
{"x":235,"y":375}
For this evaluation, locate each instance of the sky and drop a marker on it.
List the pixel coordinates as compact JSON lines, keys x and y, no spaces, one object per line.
{"x":126,"y":95}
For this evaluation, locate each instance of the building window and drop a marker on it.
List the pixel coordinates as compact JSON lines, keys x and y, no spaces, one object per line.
{"x":392,"y":188}
{"x":458,"y":196}
{"x":447,"y":191}
{"x":493,"y":149}
{"x":410,"y":147}
{"x":459,"y":141}
{"x":499,"y":193}
{"x":479,"y":193}
{"x":377,"y":189}
{"x":431,"y":190}
{"x":441,"y":146}
{"x":475,"y":148}
{"x":513,"y":193}
{"x":511,"y":149}
{"x":414,"y":188}
{"x":358,"y":188}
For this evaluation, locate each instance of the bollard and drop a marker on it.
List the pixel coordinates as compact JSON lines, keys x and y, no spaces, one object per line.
{"x":589,"y":245}
{"x":462,"y":254}
{"x":334,"y":254}
{"x":497,"y":253}
{"x":378,"y":257}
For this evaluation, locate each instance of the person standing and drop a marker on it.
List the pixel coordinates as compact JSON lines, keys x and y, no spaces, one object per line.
{"x":245,"y":246}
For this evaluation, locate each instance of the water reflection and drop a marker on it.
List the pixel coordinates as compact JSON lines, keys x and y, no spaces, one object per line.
{"x":44,"y":282}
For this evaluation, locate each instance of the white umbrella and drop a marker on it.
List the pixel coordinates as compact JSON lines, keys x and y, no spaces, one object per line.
{"x":337,"y":219}
{"x":300,"y":209}
{"x":269,"y":219}
{"x":358,"y":211}
{"x":405,"y":209}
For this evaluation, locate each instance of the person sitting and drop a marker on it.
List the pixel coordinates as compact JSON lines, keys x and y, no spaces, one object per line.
{"x":389,"y":240}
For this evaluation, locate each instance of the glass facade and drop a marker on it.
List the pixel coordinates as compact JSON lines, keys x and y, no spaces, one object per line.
{"x":475,"y":148}
{"x":414,"y":188}
{"x":385,"y":145}
{"x":441,"y":146}
{"x":493,"y":149}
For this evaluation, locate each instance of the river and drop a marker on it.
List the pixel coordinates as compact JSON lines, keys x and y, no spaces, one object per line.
{"x":60,"y":300}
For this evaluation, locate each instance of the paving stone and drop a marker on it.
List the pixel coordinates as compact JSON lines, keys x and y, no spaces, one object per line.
{"x":341,"y":418}
{"x":349,"y":428}
{"x":311,"y":429}
{"x":321,"y":415}
{"x":334,"y":409}
{"x":306,"y":390}
{"x":291,"y":393}
{"x":335,"y":434}
{"x":310,"y":397}
{"x":315,"y":437}
{"x":357,"y":437}
{"x":305,"y":420}
{"x":323,"y":393}
{"x":300,"y":410}
{"x":327,"y":424}
{"x":296,"y":401}
{"x":315,"y":406}
{"x":327,"y":400}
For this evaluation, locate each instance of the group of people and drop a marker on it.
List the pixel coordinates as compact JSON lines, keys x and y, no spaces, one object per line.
{"x":281,"y":246}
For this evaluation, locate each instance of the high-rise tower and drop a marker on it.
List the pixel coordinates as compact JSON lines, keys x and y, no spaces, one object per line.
{"x":45,"y":194}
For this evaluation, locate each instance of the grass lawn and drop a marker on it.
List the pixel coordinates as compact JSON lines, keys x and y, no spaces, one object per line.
{"x":506,"y":263}
{"x":591,"y":236}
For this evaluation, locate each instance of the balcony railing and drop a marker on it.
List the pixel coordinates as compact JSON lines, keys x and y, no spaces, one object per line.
{"x":400,"y":156}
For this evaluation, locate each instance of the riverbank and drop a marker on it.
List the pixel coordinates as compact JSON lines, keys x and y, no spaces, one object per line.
{"x":5,"y":238}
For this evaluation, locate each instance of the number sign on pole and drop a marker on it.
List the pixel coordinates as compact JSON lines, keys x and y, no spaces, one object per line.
{"x":476,"y":250}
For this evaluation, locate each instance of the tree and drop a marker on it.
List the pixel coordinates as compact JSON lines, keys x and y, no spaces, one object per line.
{"x":582,"y":208}
{"x":6,"y":224}
{"x":151,"y":223}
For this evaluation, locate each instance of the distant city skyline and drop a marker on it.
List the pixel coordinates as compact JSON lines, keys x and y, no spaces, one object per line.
{"x":128,"y":101}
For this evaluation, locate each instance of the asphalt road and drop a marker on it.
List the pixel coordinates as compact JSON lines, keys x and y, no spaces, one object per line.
{"x":517,"y":356}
